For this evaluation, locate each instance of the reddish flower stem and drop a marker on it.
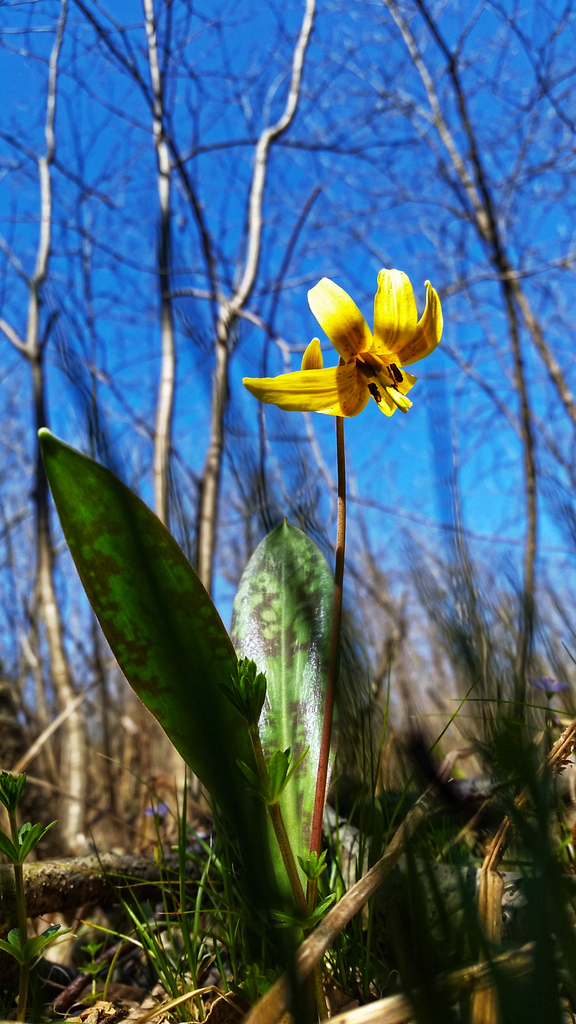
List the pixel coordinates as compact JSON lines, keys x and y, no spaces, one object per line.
{"x":333,"y":657}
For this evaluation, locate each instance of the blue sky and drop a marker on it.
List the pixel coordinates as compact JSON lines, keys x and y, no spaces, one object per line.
{"x":382,"y":202}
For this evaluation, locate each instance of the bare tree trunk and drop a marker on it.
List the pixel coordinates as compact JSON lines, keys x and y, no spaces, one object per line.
{"x":230,"y":309}
{"x":526,"y":626}
{"x":164,"y":411}
{"x":73,"y":761}
{"x":210,"y":485}
{"x":226,"y":310}
{"x":73,"y":758}
{"x":476,"y":188}
{"x":69,"y":883}
{"x":50,"y":766}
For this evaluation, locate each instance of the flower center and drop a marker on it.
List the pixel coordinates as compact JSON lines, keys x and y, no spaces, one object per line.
{"x":371,"y":371}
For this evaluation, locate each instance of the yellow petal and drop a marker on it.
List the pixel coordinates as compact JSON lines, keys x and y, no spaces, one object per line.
{"x":386,"y":405}
{"x":340,"y":318}
{"x":312,"y":358}
{"x":340,"y":391}
{"x":353,"y":392}
{"x":427,"y":333}
{"x":395,"y":314}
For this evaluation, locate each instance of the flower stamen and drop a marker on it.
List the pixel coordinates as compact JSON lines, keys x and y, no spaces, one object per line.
{"x":400,"y":400}
{"x":374,"y":392}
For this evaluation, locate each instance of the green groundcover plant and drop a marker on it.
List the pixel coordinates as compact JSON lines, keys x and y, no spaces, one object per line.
{"x":17,"y":847}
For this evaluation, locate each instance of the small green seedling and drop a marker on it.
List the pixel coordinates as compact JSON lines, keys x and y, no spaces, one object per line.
{"x":254,"y":983}
{"x":308,"y":922}
{"x":16,"y":848}
{"x":313,"y":865}
{"x":247,"y":691}
{"x":271,"y":784}
{"x":92,"y":967}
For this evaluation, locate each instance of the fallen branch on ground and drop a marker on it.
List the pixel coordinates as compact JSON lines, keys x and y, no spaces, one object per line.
{"x":58,"y":885}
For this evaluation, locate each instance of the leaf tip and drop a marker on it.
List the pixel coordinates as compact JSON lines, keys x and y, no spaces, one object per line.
{"x":47,"y":439}
{"x":51,"y":446}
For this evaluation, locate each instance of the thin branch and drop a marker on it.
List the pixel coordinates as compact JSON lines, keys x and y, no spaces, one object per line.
{"x":229,"y":311}
{"x":45,"y":161}
{"x":130,"y":66}
{"x":477,"y":191}
{"x":13,"y":337}
{"x":267,"y":138}
{"x":13,"y":259}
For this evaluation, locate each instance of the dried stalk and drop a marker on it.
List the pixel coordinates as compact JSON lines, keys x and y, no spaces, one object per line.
{"x":491,"y":887}
{"x":398,"y":1010}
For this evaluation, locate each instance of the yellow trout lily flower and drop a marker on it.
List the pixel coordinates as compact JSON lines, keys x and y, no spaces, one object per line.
{"x":373,"y":363}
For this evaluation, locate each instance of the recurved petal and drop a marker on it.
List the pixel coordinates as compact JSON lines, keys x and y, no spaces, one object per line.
{"x":340,"y":317}
{"x":395,"y":313}
{"x":340,"y":390}
{"x":427,"y":334}
{"x":312,"y":358}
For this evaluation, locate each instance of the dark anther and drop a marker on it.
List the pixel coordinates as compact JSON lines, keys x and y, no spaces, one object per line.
{"x":364,"y":368}
{"x":395,"y":373}
{"x":374,"y":392}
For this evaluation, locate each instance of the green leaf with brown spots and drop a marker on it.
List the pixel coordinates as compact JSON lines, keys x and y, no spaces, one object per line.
{"x":161,"y":625}
{"x":282,"y":621}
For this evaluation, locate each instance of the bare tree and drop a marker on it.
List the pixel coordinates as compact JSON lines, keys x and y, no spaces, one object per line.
{"x":478,"y":196}
{"x":164,"y":410}
{"x":227,"y":309}
{"x":230,"y":308}
{"x":33,"y":348}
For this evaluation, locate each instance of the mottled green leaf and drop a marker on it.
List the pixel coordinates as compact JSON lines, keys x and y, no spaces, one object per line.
{"x":282,"y":621}
{"x":161,"y":626}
